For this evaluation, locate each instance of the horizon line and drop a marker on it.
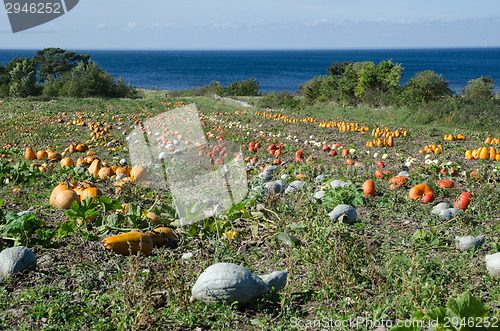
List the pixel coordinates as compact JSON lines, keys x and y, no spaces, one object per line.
{"x":267,"y":49}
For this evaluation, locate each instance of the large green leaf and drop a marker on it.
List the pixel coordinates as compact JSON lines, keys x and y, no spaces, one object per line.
{"x":465,"y":306}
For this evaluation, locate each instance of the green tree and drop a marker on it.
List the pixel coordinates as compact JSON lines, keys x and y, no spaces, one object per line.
{"x":311,"y":90}
{"x":479,"y":88}
{"x":248,"y":87}
{"x":425,"y":86}
{"x":370,"y":82}
{"x":4,"y":81}
{"x":337,"y":69}
{"x":52,"y":62}
{"x":89,"y":80}
{"x":23,"y":79}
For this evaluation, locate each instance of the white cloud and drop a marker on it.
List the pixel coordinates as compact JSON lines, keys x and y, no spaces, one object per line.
{"x":131,"y":25}
{"x":226,"y":25}
{"x":320,"y":21}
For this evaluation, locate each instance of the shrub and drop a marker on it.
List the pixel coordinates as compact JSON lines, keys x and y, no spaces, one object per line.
{"x":248,"y":87}
{"x":89,"y":80}
{"x":23,"y":79}
{"x":311,"y":90}
{"x":278,"y":100}
{"x":424,"y":87}
{"x":51,"y":87}
{"x":350,"y":83}
{"x":479,"y":88}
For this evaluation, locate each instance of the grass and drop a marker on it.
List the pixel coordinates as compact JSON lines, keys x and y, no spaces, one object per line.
{"x":398,"y":260}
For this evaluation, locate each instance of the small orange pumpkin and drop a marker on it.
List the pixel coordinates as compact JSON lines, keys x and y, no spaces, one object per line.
{"x":95,"y":167}
{"x":90,"y":192}
{"x":67,"y":162}
{"x":41,"y":154}
{"x":29,"y":154}
{"x":138,"y":172}
{"x":419,"y":191}
{"x":369,"y":188}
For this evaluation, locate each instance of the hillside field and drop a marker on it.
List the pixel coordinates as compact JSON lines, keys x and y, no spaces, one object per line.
{"x":398,"y":262}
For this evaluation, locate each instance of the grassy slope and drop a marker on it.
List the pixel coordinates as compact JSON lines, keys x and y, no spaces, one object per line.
{"x":376,"y":269}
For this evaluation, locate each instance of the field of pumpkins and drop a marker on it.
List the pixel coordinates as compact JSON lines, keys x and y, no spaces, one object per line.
{"x":345,"y":219}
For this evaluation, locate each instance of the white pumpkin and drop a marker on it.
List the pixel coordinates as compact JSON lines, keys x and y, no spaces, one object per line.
{"x":493,"y":264}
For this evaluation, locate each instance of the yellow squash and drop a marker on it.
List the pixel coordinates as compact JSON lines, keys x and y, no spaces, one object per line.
{"x":129,"y":243}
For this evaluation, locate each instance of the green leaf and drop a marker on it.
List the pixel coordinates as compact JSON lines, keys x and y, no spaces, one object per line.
{"x":20,"y":224}
{"x":66,"y":228}
{"x":494,"y":322}
{"x":465,"y":306}
{"x":192,"y":230}
{"x":440,"y":316}
{"x":115,"y":220}
{"x":108,"y":204}
{"x":44,"y":235}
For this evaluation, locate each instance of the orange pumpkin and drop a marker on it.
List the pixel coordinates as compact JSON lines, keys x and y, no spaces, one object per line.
{"x":41,"y":154}
{"x":419,"y":191}
{"x":445,"y":183}
{"x":55,"y":192}
{"x":54,"y":156}
{"x":105,"y":172}
{"x":163,"y":236}
{"x":95,"y":167}
{"x":81,"y":147}
{"x":65,"y":199}
{"x":463,"y":201}
{"x":398,"y":181}
{"x":369,"y":188}
{"x":138,"y":172}
{"x":121,"y":170}
{"x":90,"y":192}
{"x":29,"y":154}
{"x":67,"y":162}
{"x":484,"y":153}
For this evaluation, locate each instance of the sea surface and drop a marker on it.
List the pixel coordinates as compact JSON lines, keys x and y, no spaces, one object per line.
{"x":277,"y":70}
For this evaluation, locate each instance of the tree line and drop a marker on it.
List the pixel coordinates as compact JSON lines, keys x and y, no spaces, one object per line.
{"x":353,"y":83}
{"x":54,"y":72}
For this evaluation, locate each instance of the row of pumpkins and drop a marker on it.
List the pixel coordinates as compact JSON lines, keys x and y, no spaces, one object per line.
{"x":483,"y":153}
{"x":95,"y":166}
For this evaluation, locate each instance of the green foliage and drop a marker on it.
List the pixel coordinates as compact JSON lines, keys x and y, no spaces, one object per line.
{"x":311,"y":90}
{"x":87,"y":208}
{"x":348,"y":195}
{"x":279,"y":100}
{"x":337,"y":69}
{"x":356,"y":82}
{"x":461,"y":314}
{"x":424,"y":87}
{"x":248,"y":87}
{"x":4,"y":81}
{"x":56,"y":72}
{"x":20,"y":229}
{"x":53,"y":62}
{"x":23,"y":79}
{"x":89,"y":80}
{"x":479,"y":88}
{"x":20,"y":172}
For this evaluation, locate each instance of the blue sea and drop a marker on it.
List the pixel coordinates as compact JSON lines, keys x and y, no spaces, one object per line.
{"x":277,"y":70}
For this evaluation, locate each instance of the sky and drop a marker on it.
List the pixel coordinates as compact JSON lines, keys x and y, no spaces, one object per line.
{"x":264,"y":24}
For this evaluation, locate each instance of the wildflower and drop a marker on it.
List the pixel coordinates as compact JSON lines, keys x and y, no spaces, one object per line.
{"x":230,"y":235}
